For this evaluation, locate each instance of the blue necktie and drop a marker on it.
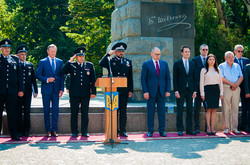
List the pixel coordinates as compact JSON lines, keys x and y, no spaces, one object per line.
{"x":186,"y":67}
{"x":204,"y":61}
{"x":53,"y":65}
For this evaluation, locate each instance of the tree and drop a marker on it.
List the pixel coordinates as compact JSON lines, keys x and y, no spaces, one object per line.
{"x":90,"y":25}
{"x":247,"y":2}
{"x":37,"y":23}
{"x":212,"y":31}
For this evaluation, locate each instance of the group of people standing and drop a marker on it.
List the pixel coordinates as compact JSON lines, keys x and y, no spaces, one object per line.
{"x":199,"y":79}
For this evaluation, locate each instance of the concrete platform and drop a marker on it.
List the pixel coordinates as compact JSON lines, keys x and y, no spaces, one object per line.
{"x":136,"y":121}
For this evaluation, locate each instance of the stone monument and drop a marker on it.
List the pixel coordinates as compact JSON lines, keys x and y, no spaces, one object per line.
{"x":144,"y":24}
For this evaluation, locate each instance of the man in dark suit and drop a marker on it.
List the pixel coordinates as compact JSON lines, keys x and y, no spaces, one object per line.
{"x":81,"y":89}
{"x":245,"y":110}
{"x":30,"y":85}
{"x":247,"y":91}
{"x":120,"y":67}
{"x":49,"y":73}
{"x":11,"y":86}
{"x":200,"y":62}
{"x":156,"y":85}
{"x":185,"y":88}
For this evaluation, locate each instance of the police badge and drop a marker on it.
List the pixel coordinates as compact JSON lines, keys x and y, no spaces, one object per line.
{"x":88,"y":73}
{"x":128,"y":64}
{"x":14,"y":66}
{"x":29,"y":73}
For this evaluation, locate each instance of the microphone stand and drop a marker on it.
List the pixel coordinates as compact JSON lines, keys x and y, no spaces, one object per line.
{"x":111,"y":141}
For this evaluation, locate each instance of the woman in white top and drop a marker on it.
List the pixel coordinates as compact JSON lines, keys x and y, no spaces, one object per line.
{"x":211,"y":90}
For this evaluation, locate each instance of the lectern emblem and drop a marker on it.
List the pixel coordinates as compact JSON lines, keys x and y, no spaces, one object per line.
{"x":115,"y":101}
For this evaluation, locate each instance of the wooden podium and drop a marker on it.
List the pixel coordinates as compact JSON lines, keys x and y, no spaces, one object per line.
{"x":106,"y":82}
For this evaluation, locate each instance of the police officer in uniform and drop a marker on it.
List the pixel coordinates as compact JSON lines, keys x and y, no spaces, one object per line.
{"x":11,"y":86}
{"x":81,"y":89}
{"x":120,"y":67}
{"x":29,"y":82}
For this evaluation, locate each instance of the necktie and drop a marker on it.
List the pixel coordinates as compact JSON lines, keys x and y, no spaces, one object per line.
{"x":53,"y":65}
{"x":157,"y":68}
{"x":240,"y":64}
{"x":204,"y":61}
{"x":186,"y":67}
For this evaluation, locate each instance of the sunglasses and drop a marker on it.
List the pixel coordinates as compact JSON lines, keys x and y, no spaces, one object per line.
{"x":204,"y":49}
{"x":240,"y":51}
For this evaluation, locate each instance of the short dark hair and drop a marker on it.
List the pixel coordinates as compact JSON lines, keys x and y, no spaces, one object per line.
{"x":184,"y":46}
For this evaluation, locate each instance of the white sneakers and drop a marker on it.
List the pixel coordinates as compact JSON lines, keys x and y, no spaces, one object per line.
{"x":234,"y":131}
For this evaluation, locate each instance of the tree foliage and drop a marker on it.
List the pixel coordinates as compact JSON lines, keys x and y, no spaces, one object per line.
{"x":90,"y":26}
{"x":217,"y":36}
{"x":70,"y":23}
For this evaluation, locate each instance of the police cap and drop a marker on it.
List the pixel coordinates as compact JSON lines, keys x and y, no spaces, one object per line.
{"x":120,"y":46}
{"x":80,"y":51}
{"x":5,"y":43}
{"x":22,"y":48}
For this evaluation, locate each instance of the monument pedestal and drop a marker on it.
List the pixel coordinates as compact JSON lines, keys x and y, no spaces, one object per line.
{"x":144,"y":24}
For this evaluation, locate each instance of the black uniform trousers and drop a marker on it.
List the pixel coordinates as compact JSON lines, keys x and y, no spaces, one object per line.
{"x":10,"y":100}
{"x":23,"y":123}
{"x":245,"y":111}
{"x":122,"y":111}
{"x":75,"y":102}
{"x":197,"y":109}
{"x":180,"y":106}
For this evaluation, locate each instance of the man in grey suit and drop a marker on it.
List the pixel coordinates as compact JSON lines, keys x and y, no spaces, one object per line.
{"x":185,"y":89}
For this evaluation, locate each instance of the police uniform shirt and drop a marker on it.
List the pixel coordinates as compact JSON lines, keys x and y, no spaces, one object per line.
{"x":10,"y":75}
{"x":29,"y":78}
{"x":82,"y":78}
{"x":120,"y":68}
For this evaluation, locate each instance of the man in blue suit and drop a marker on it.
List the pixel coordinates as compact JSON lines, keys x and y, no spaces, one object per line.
{"x":156,"y":84}
{"x":245,"y":110}
{"x":49,"y":73}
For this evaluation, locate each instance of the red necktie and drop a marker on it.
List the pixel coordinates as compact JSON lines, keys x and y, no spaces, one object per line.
{"x":157,"y":68}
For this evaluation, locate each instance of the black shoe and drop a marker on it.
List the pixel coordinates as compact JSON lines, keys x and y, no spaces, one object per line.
{"x":150,"y":134}
{"x":209,"y":133}
{"x":180,"y":133}
{"x":26,"y":134}
{"x":54,"y":134}
{"x":123,"y":134}
{"x":16,"y":138}
{"x":163,"y":134}
{"x":191,"y":133}
{"x":74,"y":135}
{"x":197,"y":131}
{"x":19,"y":134}
{"x":213,"y":133}
{"x":85,"y":134}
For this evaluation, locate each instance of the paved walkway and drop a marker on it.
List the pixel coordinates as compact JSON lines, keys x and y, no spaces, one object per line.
{"x":177,"y":151}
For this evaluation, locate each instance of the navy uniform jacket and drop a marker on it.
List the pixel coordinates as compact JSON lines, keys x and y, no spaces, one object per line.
{"x":181,"y":78}
{"x":247,"y":78}
{"x":10,"y":75}
{"x":120,"y":70}
{"x":82,"y":79}
{"x":29,"y":77}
